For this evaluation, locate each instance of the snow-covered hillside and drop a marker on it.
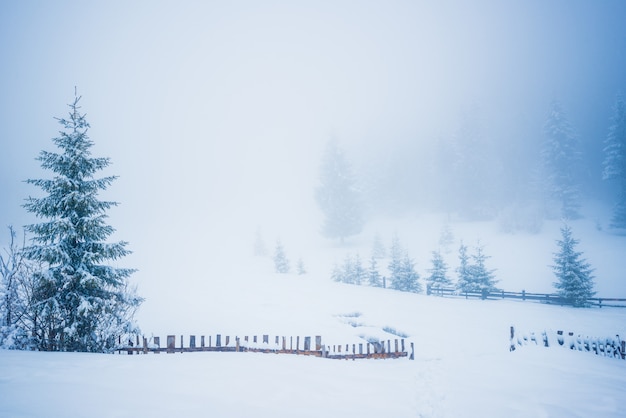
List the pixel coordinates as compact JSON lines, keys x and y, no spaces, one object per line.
{"x":462,"y":367}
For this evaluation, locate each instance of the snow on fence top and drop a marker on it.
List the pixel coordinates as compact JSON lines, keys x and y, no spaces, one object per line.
{"x":608,"y":346}
{"x":265,"y":344}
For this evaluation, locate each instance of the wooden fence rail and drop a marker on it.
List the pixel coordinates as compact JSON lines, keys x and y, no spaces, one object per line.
{"x":277,"y":345}
{"x":549,"y":298}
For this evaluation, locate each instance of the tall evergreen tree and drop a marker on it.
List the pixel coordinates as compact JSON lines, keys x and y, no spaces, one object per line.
{"x":574,"y":275}
{"x":615,"y":161}
{"x":337,"y":195}
{"x":85,"y":303}
{"x":562,"y":156}
{"x":439,"y":272}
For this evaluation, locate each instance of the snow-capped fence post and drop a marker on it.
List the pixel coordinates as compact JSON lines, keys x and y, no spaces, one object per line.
{"x":523,"y":294}
{"x":181,"y":344}
{"x":266,"y":339}
{"x":157,"y":342}
{"x":318,"y":342}
{"x":412,"y":353}
{"x":284,"y":343}
{"x":171,"y":343}
{"x":227,"y":340}
{"x":307,"y":343}
{"x":145,"y":345}
{"x":297,"y":343}
{"x":192,"y":341}
{"x":202,"y":341}
{"x":218,"y":340}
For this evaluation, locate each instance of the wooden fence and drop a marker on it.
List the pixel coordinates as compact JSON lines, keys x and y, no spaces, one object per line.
{"x":549,"y":298}
{"x":608,"y":346}
{"x":265,"y":344}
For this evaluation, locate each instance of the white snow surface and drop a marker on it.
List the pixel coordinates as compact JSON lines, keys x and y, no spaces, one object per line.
{"x":462,"y":367}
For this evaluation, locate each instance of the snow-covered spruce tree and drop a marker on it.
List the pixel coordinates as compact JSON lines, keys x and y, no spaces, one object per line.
{"x":373,"y":276}
{"x":481,"y":278}
{"x":438,"y":277}
{"x":281,"y":262}
{"x":574,"y":275}
{"x":84,"y":303}
{"x":615,"y":161}
{"x":562,"y":157}
{"x":337,"y":195}
{"x":406,"y":277}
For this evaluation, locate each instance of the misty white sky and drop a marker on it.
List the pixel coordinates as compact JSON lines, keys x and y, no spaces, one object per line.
{"x":214,"y":114}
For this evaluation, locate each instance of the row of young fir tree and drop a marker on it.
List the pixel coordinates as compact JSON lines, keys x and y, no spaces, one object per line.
{"x":472,"y":273}
{"x":574,"y":275}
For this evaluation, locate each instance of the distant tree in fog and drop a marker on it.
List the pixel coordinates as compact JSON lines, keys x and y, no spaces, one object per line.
{"x":446,"y":238}
{"x":281,"y":262}
{"x":615,"y":161}
{"x":463,"y":274}
{"x":395,"y":255}
{"x":473,"y":169}
{"x":300,"y":267}
{"x":337,"y":195}
{"x":373,"y":276}
{"x":378,"y":248}
{"x":573,"y":273}
{"x":351,"y":272}
{"x":562,"y":157}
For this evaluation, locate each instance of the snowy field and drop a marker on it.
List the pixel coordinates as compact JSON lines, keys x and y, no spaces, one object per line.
{"x":462,"y":367}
